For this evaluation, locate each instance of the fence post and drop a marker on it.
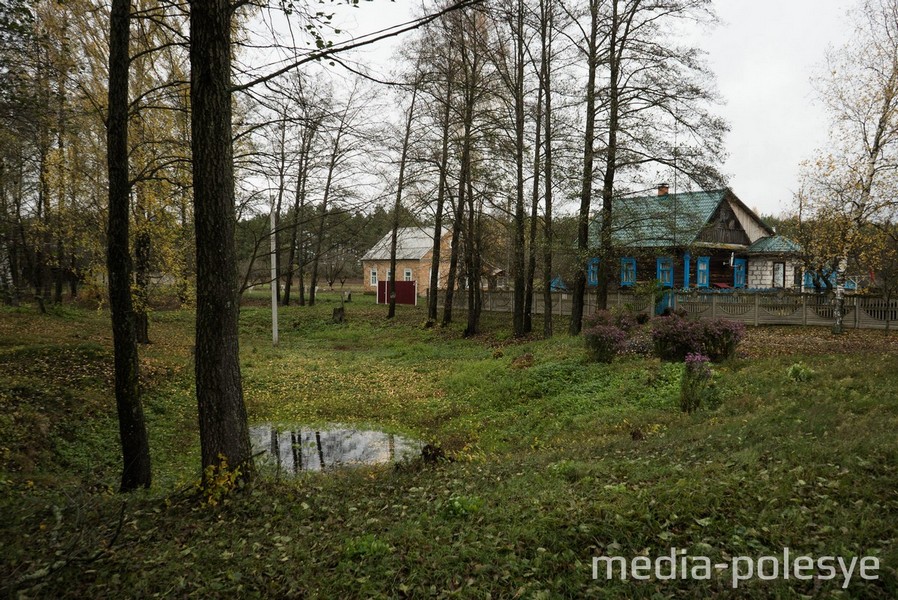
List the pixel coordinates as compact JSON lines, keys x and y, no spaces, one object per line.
{"x":713,"y":305}
{"x":757,"y":309}
{"x":857,"y":309}
{"x":804,"y":309}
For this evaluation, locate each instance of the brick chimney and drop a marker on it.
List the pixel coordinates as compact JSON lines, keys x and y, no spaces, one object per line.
{"x":663,"y":189}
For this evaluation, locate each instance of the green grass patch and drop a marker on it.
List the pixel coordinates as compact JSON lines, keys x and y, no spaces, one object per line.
{"x":554,"y":460}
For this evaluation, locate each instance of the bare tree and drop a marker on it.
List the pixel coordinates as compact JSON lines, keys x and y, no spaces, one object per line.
{"x":653,"y":89}
{"x":341,"y":150}
{"x":400,"y":186}
{"x":850,"y":184}
{"x":590,"y":50}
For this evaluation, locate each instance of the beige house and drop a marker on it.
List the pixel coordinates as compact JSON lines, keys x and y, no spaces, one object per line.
{"x":414,"y":253}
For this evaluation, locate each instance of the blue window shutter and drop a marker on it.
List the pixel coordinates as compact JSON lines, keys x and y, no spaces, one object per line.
{"x":592,"y":272}
{"x":664,"y":270}
{"x":739,"y":273}
{"x":627,"y":271}
{"x":686,"y":259}
{"x":703,"y":272}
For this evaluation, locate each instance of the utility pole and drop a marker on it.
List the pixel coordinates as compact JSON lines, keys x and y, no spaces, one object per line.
{"x":274,"y":282}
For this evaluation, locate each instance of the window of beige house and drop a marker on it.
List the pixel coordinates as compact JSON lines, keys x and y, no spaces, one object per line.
{"x":373,"y":276}
{"x":779,"y":275}
{"x":408,"y":275}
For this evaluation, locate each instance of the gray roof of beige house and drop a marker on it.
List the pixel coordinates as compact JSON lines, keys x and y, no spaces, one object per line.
{"x":775,"y":244}
{"x":412,"y":243}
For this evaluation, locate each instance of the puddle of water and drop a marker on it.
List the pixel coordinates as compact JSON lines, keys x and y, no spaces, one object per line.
{"x":293,"y":450}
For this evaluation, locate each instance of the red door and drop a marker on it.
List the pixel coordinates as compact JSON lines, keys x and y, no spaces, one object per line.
{"x":405,"y":292}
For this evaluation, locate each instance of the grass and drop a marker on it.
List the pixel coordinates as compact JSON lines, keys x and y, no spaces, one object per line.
{"x":555,"y":461}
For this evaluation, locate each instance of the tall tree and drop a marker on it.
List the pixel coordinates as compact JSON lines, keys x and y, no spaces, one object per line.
{"x":443,"y":94}
{"x":132,"y":430}
{"x":590,"y":50}
{"x":653,"y":88}
{"x":310,"y":124}
{"x":850,"y":184}
{"x":511,"y":73}
{"x":224,"y":434}
{"x":400,"y":187}
{"x":546,"y":33}
{"x":339,"y":151}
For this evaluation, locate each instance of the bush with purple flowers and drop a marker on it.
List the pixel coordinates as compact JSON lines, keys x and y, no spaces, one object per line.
{"x":621,"y":318}
{"x":676,"y":337}
{"x":604,"y":342}
{"x":721,"y":338}
{"x":696,"y":383}
{"x":639,"y":343}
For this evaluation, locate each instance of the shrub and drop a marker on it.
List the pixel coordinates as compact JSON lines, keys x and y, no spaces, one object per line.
{"x":462,"y":506}
{"x":721,"y":338}
{"x":800,"y":372}
{"x":695,"y":384}
{"x":621,"y":318}
{"x":639,"y":343}
{"x":604,"y":342}
{"x":676,"y":337}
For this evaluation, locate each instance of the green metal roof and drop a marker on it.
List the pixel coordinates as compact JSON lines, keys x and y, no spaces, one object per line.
{"x":775,"y":244}
{"x":653,"y":221}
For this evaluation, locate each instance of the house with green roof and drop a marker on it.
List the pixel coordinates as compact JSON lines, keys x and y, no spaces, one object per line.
{"x":707,"y":239}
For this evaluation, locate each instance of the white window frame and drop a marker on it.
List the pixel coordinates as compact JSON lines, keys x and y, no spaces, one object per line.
{"x":373,"y":277}
{"x":407,"y":275}
{"x":782,"y":278}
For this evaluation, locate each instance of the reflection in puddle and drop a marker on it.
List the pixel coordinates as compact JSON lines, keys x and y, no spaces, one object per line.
{"x":292,"y":450}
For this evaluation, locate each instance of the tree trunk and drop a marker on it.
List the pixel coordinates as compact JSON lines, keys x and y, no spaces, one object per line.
{"x":534,"y":214}
{"x":299,"y":203}
{"x":458,"y":221}
{"x":433,"y":290}
{"x":142,"y":279}
{"x":391,"y":291}
{"x":73,"y":277}
{"x":579,"y":292}
{"x":391,"y":280}
{"x":472,"y":262}
{"x":222,"y":414}
{"x":456,"y":237}
{"x":62,"y":74}
{"x":546,"y":82}
{"x":282,"y":182}
{"x":520,"y":274}
{"x":606,"y":253}
{"x":132,"y":431}
{"x":319,"y":242}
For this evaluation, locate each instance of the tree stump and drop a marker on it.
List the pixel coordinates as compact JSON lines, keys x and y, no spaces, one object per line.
{"x":339,"y":315}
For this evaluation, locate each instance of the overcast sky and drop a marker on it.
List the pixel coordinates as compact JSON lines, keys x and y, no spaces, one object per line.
{"x":764,"y":54}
